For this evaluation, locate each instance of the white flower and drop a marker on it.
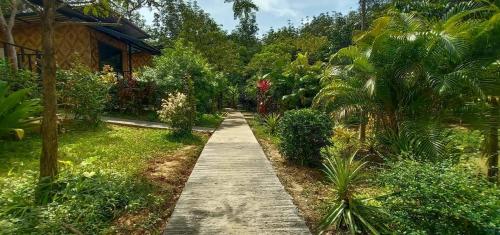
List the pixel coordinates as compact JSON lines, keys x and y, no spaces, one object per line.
{"x":88,"y":174}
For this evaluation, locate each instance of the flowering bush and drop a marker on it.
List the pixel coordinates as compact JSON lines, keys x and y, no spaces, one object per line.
{"x":108,"y":75}
{"x":177,"y":112}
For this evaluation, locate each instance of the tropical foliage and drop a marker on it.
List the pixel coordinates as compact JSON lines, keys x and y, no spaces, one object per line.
{"x":411,"y":86}
{"x":271,"y":121}
{"x":348,"y":212}
{"x":15,"y":108}
{"x":409,"y":76}
{"x":182,"y":61}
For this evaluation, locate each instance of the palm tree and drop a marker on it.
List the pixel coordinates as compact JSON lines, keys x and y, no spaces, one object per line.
{"x":242,"y":8}
{"x":473,"y":80}
{"x":385,"y":77}
{"x":419,"y":74}
{"x":346,"y":87}
{"x":362,"y":10}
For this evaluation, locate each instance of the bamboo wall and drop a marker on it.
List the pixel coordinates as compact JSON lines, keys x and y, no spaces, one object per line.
{"x":77,"y":43}
{"x":72,"y":42}
{"x":141,"y":59}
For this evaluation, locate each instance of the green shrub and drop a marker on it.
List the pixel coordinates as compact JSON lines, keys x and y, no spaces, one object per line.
{"x":179,"y":62}
{"x":302,"y":134}
{"x":439,"y":198}
{"x":84,"y":93}
{"x":134,"y":94}
{"x":20,"y":79}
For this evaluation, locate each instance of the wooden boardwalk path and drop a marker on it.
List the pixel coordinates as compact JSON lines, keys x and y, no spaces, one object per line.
{"x":233,"y":189}
{"x":146,"y":124}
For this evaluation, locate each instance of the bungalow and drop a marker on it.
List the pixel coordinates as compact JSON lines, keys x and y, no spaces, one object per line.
{"x":93,"y":41}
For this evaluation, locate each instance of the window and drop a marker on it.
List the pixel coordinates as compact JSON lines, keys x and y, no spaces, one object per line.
{"x":109,"y":55}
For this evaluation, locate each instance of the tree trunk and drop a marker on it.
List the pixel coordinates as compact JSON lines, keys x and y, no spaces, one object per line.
{"x":48,"y":160}
{"x":362,"y":6}
{"x":11,"y":50}
{"x":7,"y":24}
{"x":362,"y":127}
{"x":492,"y":142}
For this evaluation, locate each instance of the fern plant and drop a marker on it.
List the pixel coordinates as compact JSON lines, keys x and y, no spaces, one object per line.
{"x":15,"y":108}
{"x":347,"y":212}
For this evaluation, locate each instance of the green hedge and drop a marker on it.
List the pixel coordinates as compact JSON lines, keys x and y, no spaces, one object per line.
{"x":302,"y":134}
{"x":439,"y":198}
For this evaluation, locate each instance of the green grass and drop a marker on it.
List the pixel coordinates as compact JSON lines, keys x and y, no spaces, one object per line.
{"x":111,"y":146}
{"x":100,"y":179}
{"x":209,"y":120}
{"x":260,"y":131}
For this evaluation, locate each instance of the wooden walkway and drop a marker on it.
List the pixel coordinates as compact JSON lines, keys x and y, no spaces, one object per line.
{"x":233,"y":189}
{"x":146,"y":124}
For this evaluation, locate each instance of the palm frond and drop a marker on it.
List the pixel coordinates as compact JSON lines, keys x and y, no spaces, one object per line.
{"x":14,"y":108}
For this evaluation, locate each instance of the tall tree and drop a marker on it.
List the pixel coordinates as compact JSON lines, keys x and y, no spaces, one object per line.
{"x":177,"y":19}
{"x":8,"y":12}
{"x":246,"y":32}
{"x":48,"y":160}
{"x":243,"y":9}
{"x":362,"y":11}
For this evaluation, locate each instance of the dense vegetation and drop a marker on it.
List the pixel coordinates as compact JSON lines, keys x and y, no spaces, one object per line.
{"x":406,"y":93}
{"x":398,"y":103}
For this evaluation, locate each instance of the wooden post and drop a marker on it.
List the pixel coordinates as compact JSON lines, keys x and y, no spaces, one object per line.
{"x":30,"y":64}
{"x":130,"y":60}
{"x":21,"y":59}
{"x":5,"y":56}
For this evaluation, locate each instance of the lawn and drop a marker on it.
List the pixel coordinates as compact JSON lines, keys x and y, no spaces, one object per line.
{"x":113,"y":179}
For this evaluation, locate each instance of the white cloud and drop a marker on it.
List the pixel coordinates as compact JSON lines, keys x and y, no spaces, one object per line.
{"x":272,"y":13}
{"x":277,"y":7}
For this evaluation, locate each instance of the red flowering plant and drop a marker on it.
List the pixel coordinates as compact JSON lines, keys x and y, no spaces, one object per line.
{"x":263,"y":85}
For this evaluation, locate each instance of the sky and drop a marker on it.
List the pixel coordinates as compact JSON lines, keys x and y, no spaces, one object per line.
{"x":272,"y":13}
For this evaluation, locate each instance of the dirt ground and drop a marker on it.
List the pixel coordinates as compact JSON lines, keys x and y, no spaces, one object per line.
{"x":168,"y":173}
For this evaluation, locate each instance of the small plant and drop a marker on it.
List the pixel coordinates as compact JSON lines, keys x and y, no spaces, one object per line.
{"x":302,"y":134}
{"x":271,"y":122}
{"x":14,"y":108}
{"x":177,"y":113}
{"x":20,"y":79}
{"x":347,"y":212}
